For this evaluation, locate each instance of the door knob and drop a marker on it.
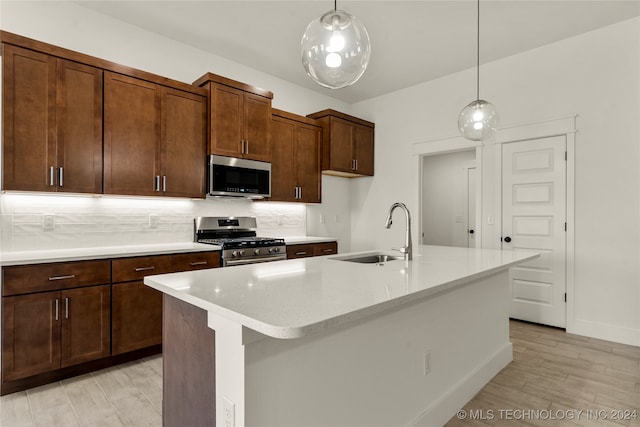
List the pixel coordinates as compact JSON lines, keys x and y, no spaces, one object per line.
{"x":507,"y":239}
{"x":471,"y":231}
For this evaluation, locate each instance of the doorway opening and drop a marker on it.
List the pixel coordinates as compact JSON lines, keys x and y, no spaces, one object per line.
{"x":450,"y":199}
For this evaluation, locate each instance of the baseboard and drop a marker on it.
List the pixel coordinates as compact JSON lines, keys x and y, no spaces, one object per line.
{"x":441,"y":411}
{"x":605,"y":332}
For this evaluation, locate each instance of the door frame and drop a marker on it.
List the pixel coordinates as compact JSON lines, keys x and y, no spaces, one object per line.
{"x":565,"y":126}
{"x":477,"y":214}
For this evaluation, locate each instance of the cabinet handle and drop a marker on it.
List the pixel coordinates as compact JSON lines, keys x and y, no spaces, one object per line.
{"x":356,"y":160}
{"x":193,"y":264}
{"x":66,"y":308}
{"x":52,"y":178}
{"x":247,"y":143}
{"x":145,"y":268}
{"x":242,"y":141}
{"x":71,"y":276}
{"x":57,"y":308}
{"x":157,"y":188}
{"x":327,"y":250}
{"x":60,"y":176}
{"x":164,"y":183}
{"x":301,"y":253}
{"x":299,"y":192}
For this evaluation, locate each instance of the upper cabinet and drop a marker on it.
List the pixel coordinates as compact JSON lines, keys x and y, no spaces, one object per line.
{"x":59,"y":105}
{"x":347,"y":145}
{"x":295,"y":163}
{"x":52,"y":123}
{"x":154,"y":139}
{"x":240,"y":118}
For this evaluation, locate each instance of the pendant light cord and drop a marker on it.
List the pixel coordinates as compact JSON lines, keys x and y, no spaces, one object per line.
{"x":335,"y":4}
{"x":477,"y":55}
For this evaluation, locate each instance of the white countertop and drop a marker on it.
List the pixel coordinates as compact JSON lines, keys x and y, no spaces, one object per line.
{"x":299,"y":240}
{"x":79,"y":254}
{"x":293,"y":298}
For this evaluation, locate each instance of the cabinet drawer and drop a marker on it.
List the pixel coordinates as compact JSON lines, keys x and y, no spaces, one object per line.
{"x":24,"y":279}
{"x":320,"y":249}
{"x":299,"y":251}
{"x":195,"y":261}
{"x":129,"y":269}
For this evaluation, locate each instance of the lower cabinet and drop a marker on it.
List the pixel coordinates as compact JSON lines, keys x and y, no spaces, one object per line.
{"x":311,"y":249}
{"x":46,"y":331}
{"x":137,"y":317}
{"x":63,"y":319}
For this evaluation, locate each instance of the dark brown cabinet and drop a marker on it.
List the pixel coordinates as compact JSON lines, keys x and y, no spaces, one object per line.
{"x":136,"y":308}
{"x":347,"y":144}
{"x":154,"y":139}
{"x":295,"y":162}
{"x":306,"y":250}
{"x":240,"y":118}
{"x":52,"y":123}
{"x":47,"y":325}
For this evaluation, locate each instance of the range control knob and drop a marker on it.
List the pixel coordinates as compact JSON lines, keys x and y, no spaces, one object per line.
{"x":256,"y":251}
{"x":234,"y":254}
{"x":274,"y":249}
{"x":241,"y":252}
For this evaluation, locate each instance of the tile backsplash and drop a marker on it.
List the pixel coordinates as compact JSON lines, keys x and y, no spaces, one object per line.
{"x":89,"y":221}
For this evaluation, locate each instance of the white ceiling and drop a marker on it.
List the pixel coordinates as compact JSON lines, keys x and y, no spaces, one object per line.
{"x":412,"y":41}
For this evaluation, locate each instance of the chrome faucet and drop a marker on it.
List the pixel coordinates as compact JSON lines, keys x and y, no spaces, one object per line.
{"x":406,"y":250}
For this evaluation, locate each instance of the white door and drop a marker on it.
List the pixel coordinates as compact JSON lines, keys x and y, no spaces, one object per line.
{"x":471,"y":207}
{"x":534,"y":219}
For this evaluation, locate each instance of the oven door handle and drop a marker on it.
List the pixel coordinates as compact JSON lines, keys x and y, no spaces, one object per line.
{"x":231,"y":262}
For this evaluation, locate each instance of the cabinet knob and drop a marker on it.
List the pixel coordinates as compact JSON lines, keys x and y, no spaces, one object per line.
{"x":507,"y":239}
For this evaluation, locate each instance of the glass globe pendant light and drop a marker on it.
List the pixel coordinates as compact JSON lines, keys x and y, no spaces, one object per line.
{"x":478,"y":120}
{"x":335,"y":49}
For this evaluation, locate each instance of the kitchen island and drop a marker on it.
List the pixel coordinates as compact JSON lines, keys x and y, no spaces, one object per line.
{"x":328,"y":342}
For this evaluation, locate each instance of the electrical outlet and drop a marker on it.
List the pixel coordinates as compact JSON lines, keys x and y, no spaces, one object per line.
{"x":154,"y":219}
{"x":427,"y":363}
{"x":48,"y":223}
{"x":228,"y":413}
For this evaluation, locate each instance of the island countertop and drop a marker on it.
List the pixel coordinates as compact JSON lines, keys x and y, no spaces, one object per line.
{"x":294,"y":298}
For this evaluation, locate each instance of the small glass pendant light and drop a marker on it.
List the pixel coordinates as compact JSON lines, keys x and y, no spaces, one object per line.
{"x":335,"y":49}
{"x":478,"y":120}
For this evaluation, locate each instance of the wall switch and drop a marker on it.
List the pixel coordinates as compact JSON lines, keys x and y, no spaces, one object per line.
{"x":427,"y":363}
{"x":48,"y":223}
{"x":322,"y":219}
{"x":228,"y":413}
{"x":154,"y":220}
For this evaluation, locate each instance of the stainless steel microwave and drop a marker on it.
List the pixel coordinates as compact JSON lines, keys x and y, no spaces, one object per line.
{"x":232,"y":177}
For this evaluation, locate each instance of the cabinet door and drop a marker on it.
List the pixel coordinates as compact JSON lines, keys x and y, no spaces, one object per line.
{"x":86,"y":324}
{"x":363,"y":149}
{"x":136,"y":317}
{"x":28,"y":119}
{"x":79,"y":128}
{"x":257,"y":126}
{"x":30,"y":335}
{"x":283,"y":178}
{"x":307,"y":162}
{"x":226,"y":120}
{"x":341,"y":145}
{"x":131,"y":136}
{"x":184,"y":139}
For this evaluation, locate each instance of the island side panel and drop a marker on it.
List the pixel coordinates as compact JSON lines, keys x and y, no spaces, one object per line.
{"x":188,"y":366}
{"x":372,"y":371}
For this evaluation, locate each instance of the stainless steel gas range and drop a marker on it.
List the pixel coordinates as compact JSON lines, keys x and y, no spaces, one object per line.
{"x":237,"y":237}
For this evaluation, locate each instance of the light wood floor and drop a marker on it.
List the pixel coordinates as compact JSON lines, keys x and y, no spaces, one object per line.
{"x":553,"y":373}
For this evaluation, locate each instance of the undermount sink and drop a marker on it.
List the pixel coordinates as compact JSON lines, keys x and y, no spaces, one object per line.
{"x":372,"y":258}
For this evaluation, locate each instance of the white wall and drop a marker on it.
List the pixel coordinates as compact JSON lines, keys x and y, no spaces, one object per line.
{"x":87,"y":221}
{"x":444,"y":198}
{"x":594,"y":75}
